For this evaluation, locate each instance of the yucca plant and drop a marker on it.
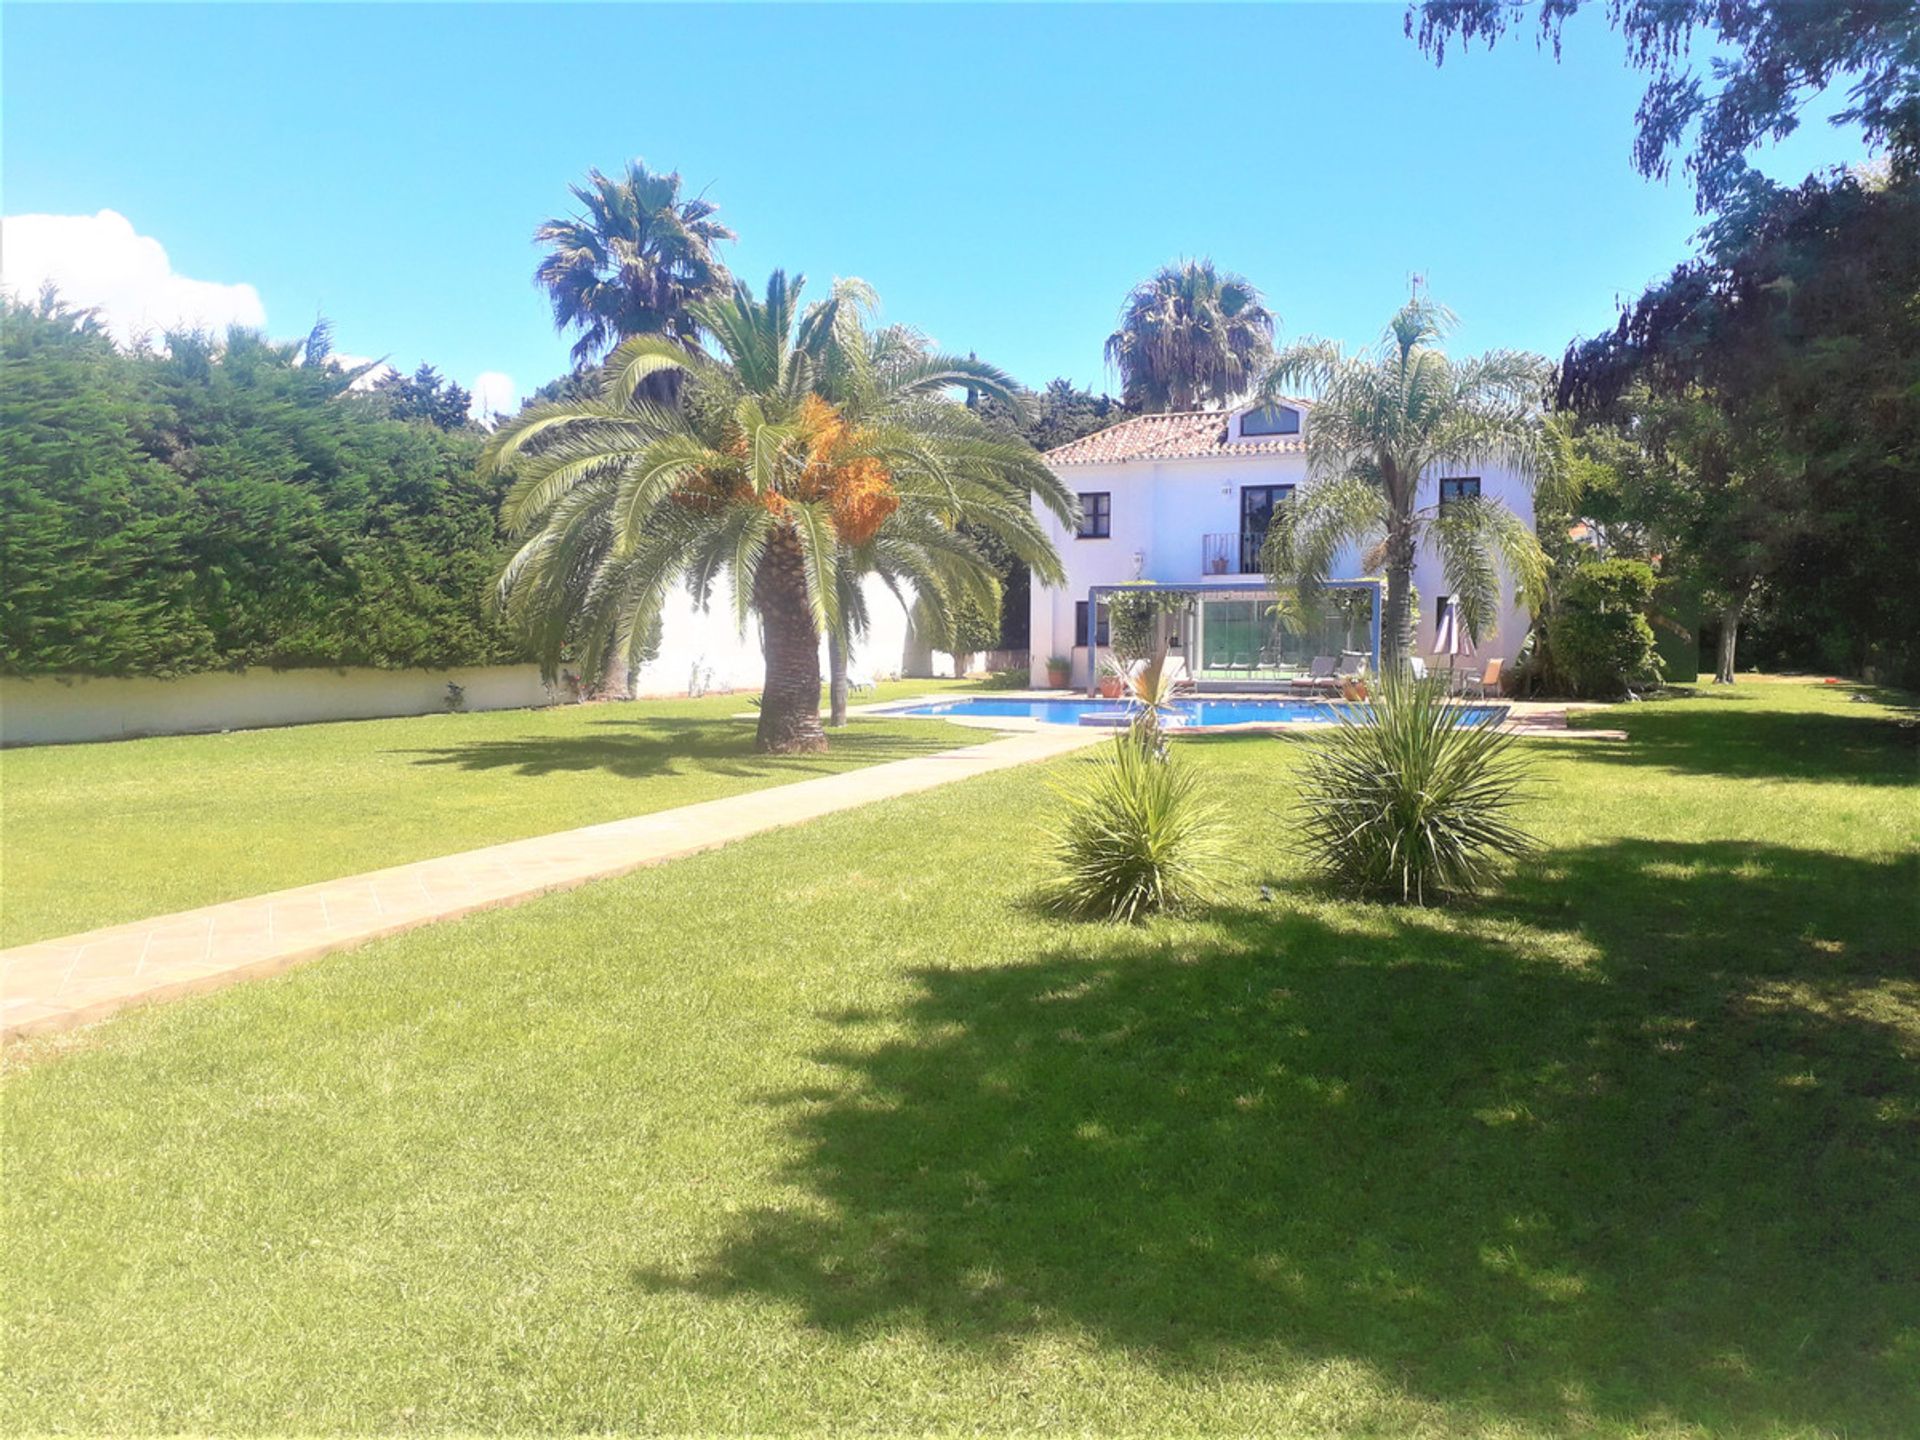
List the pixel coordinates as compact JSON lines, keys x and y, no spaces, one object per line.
{"x":1138,"y":836}
{"x":1149,"y":689}
{"x":1409,"y":801}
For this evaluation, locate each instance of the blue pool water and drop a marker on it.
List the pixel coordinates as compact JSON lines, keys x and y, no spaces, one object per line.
{"x":1189,"y":714}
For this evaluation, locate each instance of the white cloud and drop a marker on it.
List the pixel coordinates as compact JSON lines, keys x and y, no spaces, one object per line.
{"x":101,"y":261}
{"x":494,"y":393}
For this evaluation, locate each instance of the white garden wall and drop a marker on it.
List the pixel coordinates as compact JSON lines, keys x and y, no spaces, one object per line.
{"x":700,"y":650}
{"x":49,"y":711}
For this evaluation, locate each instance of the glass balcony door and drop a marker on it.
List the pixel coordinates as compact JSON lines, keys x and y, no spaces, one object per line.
{"x":1257,"y":504}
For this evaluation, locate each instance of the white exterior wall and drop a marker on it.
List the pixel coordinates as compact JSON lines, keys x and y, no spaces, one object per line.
{"x":1162,"y":510}
{"x":1429,"y":580}
{"x":51,"y":711}
{"x":58,"y":710}
{"x":707,"y":644}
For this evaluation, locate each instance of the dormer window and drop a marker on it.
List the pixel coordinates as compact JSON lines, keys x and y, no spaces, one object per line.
{"x":1269,"y":420}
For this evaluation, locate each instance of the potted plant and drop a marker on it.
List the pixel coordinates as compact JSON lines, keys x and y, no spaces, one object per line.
{"x":1059,"y":668}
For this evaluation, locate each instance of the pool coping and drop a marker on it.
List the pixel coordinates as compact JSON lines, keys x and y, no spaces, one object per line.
{"x":1524,"y":717}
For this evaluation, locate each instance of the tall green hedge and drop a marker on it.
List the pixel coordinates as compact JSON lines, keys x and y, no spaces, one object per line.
{"x":1601,"y":640}
{"x":225,"y":505}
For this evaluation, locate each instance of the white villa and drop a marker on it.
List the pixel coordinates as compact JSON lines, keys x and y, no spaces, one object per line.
{"x":1179,"y":499}
{"x":1185,"y":499}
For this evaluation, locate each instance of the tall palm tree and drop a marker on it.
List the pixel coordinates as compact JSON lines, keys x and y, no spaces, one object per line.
{"x":1381,"y":421}
{"x":753,"y":476}
{"x":632,"y":261}
{"x":888,"y":375}
{"x":1190,"y":336}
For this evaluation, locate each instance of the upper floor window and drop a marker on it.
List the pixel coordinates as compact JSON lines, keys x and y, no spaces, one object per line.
{"x":1270,"y":420}
{"x":1257,"y":504}
{"x":1096,"y":515}
{"x":1459,"y":487}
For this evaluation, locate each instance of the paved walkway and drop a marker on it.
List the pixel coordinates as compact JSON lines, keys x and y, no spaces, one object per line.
{"x":54,"y":984}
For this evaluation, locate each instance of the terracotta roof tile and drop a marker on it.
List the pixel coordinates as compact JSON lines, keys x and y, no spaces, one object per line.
{"x":1178,"y":435}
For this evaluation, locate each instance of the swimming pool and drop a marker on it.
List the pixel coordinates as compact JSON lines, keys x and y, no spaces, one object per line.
{"x":1198,"y":714}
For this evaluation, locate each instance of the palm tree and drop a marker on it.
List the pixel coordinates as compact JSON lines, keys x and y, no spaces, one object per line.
{"x":934,"y":571}
{"x":932,"y":565}
{"x":633,"y":261}
{"x":1382,"y":421}
{"x":1191,"y":336}
{"x":753,"y":476}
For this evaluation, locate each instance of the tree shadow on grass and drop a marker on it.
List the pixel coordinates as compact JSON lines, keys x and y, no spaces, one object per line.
{"x":1692,"y":733}
{"x":1658,"y":1166}
{"x":637,"y":749}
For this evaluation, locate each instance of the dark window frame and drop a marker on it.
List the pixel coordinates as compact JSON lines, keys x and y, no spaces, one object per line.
{"x":1460,"y":493}
{"x":1269,"y":413}
{"x":1441,"y":605}
{"x":1253,"y":542}
{"x":1080,"y":624}
{"x":1096,"y":520}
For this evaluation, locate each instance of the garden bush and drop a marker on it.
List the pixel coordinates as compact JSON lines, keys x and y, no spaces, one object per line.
{"x":1133,"y":614}
{"x":1602,"y":642}
{"x":1403,"y":801}
{"x":1138,"y":837}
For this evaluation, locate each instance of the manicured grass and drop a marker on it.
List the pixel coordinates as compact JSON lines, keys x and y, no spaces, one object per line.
{"x":834,"y":1128}
{"x":99,"y":834}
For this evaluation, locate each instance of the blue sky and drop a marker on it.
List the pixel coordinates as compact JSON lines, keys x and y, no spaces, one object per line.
{"x":1001,"y":175}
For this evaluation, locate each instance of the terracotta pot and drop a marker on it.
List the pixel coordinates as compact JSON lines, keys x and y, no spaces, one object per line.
{"x":1110,"y":687}
{"x":1057,"y":676}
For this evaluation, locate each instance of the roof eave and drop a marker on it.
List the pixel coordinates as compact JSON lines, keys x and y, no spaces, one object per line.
{"x":1242,"y":453}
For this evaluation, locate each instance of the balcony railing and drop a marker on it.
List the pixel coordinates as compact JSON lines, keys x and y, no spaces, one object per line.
{"x":1235,"y":553}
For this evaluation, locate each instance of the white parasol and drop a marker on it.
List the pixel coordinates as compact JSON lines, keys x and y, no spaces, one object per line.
{"x":1453,"y":641}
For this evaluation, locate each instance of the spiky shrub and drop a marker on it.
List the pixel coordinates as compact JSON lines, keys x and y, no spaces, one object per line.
{"x":1148,"y":689}
{"x":1138,"y":836}
{"x":1405,"y":802}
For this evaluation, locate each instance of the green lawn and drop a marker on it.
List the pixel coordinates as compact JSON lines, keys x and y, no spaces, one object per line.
{"x":99,"y":834}
{"x":833,"y":1128}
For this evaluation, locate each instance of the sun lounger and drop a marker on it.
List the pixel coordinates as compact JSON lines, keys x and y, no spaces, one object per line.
{"x":1319,"y":676}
